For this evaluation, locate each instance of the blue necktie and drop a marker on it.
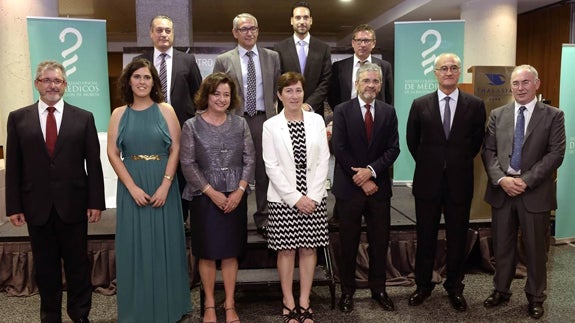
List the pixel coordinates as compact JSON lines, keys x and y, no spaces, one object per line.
{"x":301,"y":55}
{"x":518,"y":140}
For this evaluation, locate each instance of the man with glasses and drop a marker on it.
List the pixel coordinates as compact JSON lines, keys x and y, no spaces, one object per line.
{"x":54,"y":184}
{"x":180,"y":78}
{"x":307,"y":55}
{"x":342,"y":84}
{"x":444,"y":133}
{"x":365,"y":144}
{"x":524,"y":146}
{"x":256,"y":71}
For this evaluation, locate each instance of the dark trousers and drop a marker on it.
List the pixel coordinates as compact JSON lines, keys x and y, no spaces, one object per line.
{"x":53,"y":243}
{"x":377,"y":219}
{"x":505,"y":225}
{"x":255,"y":124}
{"x":428,"y":215}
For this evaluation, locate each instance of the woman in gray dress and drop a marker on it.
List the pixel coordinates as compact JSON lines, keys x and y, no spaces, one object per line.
{"x":217,"y":159}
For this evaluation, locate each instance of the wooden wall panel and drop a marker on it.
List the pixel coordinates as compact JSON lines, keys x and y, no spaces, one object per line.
{"x":540,"y":36}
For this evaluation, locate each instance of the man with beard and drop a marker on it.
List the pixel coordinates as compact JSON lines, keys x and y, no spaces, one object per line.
{"x":54,"y":184}
{"x":365,"y":144}
{"x":308,"y":56}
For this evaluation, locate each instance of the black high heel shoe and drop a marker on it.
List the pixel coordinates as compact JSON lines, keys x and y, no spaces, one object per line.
{"x":306,"y":314}
{"x":292,"y":314}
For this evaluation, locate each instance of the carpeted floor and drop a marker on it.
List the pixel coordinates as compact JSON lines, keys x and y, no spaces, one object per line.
{"x":263,"y":307}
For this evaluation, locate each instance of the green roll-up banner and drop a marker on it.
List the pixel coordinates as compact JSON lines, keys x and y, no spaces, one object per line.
{"x":565,"y":215}
{"x":80,"y":45}
{"x":416,"y":46}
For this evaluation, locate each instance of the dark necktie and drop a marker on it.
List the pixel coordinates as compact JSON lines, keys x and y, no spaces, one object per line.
{"x":301,"y":55}
{"x":164,"y":75}
{"x":251,"y":91}
{"x":518,"y":140}
{"x":51,"y":131}
{"x":368,"y":122}
{"x":447,"y":118}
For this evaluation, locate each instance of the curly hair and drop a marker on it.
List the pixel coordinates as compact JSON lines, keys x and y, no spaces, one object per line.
{"x":125,"y":89}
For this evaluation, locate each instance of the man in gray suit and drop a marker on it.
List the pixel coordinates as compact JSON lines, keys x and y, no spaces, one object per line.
{"x":258,"y":94}
{"x":524,"y":145}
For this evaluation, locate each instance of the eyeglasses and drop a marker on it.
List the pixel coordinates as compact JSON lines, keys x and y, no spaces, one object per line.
{"x":244,"y":30}
{"x":363,"y":41}
{"x":445,"y":69}
{"x":524,"y":83}
{"x":368,"y":81}
{"x":48,"y":81}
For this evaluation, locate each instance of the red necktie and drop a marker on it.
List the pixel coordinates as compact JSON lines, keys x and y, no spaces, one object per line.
{"x":51,"y":131}
{"x":368,"y":122}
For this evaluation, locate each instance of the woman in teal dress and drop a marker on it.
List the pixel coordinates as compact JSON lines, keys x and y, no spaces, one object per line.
{"x":143,"y":148}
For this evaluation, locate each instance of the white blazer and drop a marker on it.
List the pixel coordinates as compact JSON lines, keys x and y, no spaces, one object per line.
{"x":280,"y":164}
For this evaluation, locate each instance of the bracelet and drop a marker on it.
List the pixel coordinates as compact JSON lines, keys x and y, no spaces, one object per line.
{"x":242,"y":188}
{"x":168,"y":177}
{"x":206,"y":188}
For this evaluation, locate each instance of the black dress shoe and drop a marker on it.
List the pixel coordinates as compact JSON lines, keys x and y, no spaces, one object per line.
{"x":383,"y":300}
{"x":263,"y":231}
{"x":419,"y":296}
{"x":496,"y":298}
{"x":535,"y":310}
{"x":458,"y":301}
{"x":346,"y":303}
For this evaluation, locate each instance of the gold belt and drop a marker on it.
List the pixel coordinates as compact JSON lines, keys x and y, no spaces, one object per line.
{"x":145,"y":157}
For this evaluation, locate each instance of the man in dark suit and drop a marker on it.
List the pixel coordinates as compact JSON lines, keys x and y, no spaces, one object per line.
{"x":303,"y":50}
{"x":54,"y":184}
{"x":342,"y":84}
{"x":365,"y":145}
{"x":524,"y":146}
{"x":266,"y":66}
{"x":183,"y":77}
{"x":444,"y":133}
{"x":342,"y":81}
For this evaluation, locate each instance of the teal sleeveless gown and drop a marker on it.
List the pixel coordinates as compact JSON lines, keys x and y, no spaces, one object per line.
{"x":151,"y":265}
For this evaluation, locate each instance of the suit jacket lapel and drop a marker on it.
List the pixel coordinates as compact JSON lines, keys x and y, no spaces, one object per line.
{"x":286,"y":138}
{"x":237,"y":66}
{"x":292,"y":52}
{"x":433,"y":106}
{"x":536,"y":119}
{"x":357,"y":119}
{"x":176,"y":61}
{"x":65,"y":125}
{"x":508,"y":123}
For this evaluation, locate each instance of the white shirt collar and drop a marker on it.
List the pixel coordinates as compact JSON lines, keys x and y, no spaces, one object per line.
{"x":242,"y":51}
{"x":357,"y":60}
{"x":157,"y":53}
{"x":42,"y":106}
{"x":296,"y":39}
{"x":529,"y":106}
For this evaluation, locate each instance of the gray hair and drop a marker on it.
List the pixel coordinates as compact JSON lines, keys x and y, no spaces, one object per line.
{"x":444,"y":55}
{"x":368,"y":67}
{"x":525,"y":67}
{"x":244,"y":15}
{"x":50,"y":65}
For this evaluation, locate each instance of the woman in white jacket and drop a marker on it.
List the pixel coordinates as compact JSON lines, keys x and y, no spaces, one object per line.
{"x":296,"y":155}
